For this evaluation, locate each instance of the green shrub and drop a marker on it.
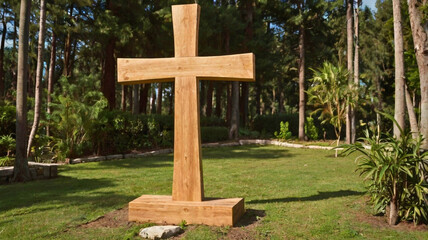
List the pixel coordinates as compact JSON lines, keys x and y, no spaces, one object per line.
{"x":6,"y":161}
{"x":7,"y":119}
{"x":244,"y":132}
{"x":284,"y":132}
{"x":214,"y":134}
{"x":267,"y":125}
{"x":212,"y":122}
{"x":311,"y":130}
{"x":395,"y":171}
{"x":7,"y":144}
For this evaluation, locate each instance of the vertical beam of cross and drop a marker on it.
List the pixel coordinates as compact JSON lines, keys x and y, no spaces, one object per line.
{"x":187,"y":179}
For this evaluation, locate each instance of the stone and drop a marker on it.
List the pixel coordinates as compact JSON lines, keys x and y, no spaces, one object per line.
{"x":159,"y":232}
{"x":115,"y":156}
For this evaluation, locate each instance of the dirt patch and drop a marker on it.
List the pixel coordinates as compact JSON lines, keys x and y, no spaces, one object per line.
{"x":114,"y":219}
{"x":244,"y":229}
{"x":382,"y":222}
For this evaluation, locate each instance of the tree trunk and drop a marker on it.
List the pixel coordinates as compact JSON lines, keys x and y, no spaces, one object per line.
{"x":210,"y":99}
{"x":135,"y":99}
{"x":399,"y":112}
{"x":108,"y":83}
{"x":420,"y":39}
{"x":234,"y":118}
{"x":258,"y":95}
{"x":379,"y":102}
{"x":20,"y":170}
{"x":67,"y":49}
{"x":52,"y":63}
{"x":412,"y":115}
{"x":144,"y":94}
{"x":153,"y":110}
{"x":123,"y":98}
{"x":171,"y":99}
{"x":3,"y":38}
{"x":202,"y":97}
{"x":159,"y":99}
{"x":218,"y":93}
{"x":39,"y":73}
{"x":349,"y":52}
{"x":356,"y":68}
{"x":393,"y":207}
{"x":229,"y":104}
{"x":302,"y":83}
{"x":244,"y":103}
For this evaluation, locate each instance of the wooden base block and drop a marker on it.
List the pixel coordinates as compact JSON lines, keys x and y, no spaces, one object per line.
{"x":163,"y":210}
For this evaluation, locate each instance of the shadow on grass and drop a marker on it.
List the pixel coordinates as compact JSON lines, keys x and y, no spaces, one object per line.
{"x":253,"y":152}
{"x":44,"y":195}
{"x":319,"y":196}
{"x":251,"y":216}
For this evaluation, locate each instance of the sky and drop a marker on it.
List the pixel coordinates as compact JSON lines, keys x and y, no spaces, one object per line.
{"x":370,"y":3}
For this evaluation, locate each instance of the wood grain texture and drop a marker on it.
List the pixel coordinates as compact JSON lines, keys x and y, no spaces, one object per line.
{"x":187,"y":179}
{"x":163,"y":210}
{"x":185,"y":22}
{"x":239,"y":67}
{"x":186,"y":69}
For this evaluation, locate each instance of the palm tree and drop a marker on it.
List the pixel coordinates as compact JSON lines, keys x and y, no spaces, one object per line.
{"x":20,"y":170}
{"x":330,"y":93}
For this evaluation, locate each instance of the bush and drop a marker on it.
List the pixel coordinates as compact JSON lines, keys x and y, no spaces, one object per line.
{"x":214,"y":134}
{"x":284,"y":132}
{"x":269,"y":124}
{"x":395,"y":171}
{"x":7,"y":119}
{"x":311,"y":130}
{"x":7,"y":144}
{"x":212,"y":122}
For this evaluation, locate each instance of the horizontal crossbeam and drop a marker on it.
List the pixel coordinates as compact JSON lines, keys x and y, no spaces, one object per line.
{"x":239,"y":67}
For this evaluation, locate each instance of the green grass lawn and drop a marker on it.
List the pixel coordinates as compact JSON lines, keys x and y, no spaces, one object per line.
{"x":303,"y":193}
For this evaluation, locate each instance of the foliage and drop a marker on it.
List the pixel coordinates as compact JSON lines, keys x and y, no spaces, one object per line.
{"x":6,"y":161}
{"x":214,"y":134}
{"x":284,"y":132}
{"x":244,"y":132}
{"x":7,"y":118}
{"x":311,"y":130}
{"x":73,"y":116}
{"x":212,"y":122}
{"x":394,"y":169}
{"x":270,"y":123}
{"x":330,"y":95}
{"x":7,"y":144}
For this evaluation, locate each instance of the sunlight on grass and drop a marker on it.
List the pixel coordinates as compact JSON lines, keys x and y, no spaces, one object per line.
{"x":304,"y":193}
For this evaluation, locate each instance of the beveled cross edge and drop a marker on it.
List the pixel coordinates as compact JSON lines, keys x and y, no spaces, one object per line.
{"x":186,"y":69}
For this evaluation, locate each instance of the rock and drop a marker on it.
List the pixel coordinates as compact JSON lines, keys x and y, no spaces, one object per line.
{"x":159,"y":232}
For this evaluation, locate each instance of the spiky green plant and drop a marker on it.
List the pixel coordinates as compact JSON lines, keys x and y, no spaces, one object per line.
{"x":395,"y":171}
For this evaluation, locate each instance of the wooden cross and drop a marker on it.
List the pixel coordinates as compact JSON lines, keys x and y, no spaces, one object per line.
{"x":186,"y":69}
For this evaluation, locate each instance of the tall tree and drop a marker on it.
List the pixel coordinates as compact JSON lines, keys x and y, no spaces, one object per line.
{"x":356,"y":66}
{"x":209,"y":109}
{"x":302,"y":100}
{"x":52,"y":62}
{"x":39,"y":73}
{"x":20,"y":170}
{"x":399,"y":112}
{"x":234,"y":117}
{"x":349,"y":53}
{"x":135,"y":99}
{"x":159,"y":99}
{"x":420,"y":40}
{"x":3,"y":38}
